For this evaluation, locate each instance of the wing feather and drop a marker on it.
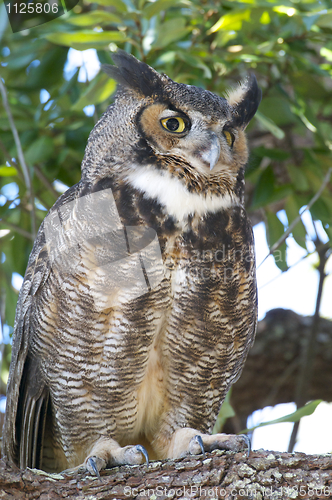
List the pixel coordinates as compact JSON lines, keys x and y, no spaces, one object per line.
{"x":27,"y":392}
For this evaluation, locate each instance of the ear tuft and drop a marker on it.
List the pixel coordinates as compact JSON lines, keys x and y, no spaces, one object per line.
{"x":134,"y":74}
{"x":245,"y":100}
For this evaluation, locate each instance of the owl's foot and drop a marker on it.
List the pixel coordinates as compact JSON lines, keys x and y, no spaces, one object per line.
{"x":187,"y":441}
{"x":108,"y":453}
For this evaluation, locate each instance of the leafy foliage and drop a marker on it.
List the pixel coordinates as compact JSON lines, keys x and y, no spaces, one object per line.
{"x":305,"y":411}
{"x":205,"y":43}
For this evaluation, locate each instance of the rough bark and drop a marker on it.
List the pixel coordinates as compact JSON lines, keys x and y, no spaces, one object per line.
{"x":262,"y":475}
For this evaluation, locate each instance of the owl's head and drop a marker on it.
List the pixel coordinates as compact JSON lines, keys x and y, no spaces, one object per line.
{"x":172,"y":130}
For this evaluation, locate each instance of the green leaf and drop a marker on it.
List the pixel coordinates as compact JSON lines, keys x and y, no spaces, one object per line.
{"x":118,"y":4}
{"x":94,"y":18}
{"x":264,"y":188}
{"x":325,"y":20}
{"x":309,"y":20}
{"x":49,"y":71}
{"x":226,"y":411}
{"x":86,"y":39}
{"x":100,"y":89}
{"x":265,"y":18}
{"x":276,"y":109}
{"x":326,"y":53}
{"x":305,"y":411}
{"x":328,"y":230}
{"x":270,"y":125}
{"x":153,"y":8}
{"x":7,"y":171}
{"x":273,"y":153}
{"x":275,"y":229}
{"x":20,"y":61}
{"x":284,"y":9}
{"x":171,"y":31}
{"x":232,"y":21}
{"x":195,"y":62}
{"x":292,"y":211}
{"x":40,"y":150}
{"x":11,"y":302}
{"x":321,"y":211}
{"x":298,"y":178}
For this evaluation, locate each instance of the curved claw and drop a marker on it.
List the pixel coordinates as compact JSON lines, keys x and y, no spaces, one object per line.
{"x":199,"y":440}
{"x":141,"y":448}
{"x":248,"y":442}
{"x":93,"y":466}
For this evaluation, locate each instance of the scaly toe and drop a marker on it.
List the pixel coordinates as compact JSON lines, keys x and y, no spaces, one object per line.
{"x":196,"y":446}
{"x":133,"y":455}
{"x":142,"y":450}
{"x":247,"y":442}
{"x":94,"y":465}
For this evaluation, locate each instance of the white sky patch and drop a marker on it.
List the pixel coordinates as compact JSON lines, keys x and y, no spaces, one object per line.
{"x":44,"y":96}
{"x":318,"y":427}
{"x":271,"y":437}
{"x":60,"y":187}
{"x":2,"y":404}
{"x":10,"y":190}
{"x":314,"y":436}
{"x":87,"y":60}
{"x":17,"y":281}
{"x":89,"y":110}
{"x":295,"y":289}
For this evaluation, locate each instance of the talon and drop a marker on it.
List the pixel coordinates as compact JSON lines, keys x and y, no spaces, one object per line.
{"x":248,"y":442}
{"x":141,"y":448}
{"x":199,"y":440}
{"x":93,"y":466}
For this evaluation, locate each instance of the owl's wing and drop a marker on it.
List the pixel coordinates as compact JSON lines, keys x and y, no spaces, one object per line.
{"x":27,"y":392}
{"x":82,"y":238}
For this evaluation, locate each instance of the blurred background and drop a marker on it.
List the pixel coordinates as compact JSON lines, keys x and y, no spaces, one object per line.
{"x":52,"y":94}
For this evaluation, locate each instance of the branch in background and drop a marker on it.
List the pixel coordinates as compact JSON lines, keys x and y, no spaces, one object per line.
{"x":46,"y":182}
{"x":21,"y":158}
{"x":18,"y":229}
{"x":309,"y":347}
{"x":9,"y":159}
{"x":271,"y":372}
{"x":298,"y":218}
{"x":38,"y":172}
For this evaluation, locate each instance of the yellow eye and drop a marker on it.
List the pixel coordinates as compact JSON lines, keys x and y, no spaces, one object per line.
{"x":175,"y":124}
{"x":229,"y":136}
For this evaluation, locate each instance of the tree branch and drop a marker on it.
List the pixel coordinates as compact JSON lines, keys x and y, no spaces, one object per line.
{"x":46,"y":182}
{"x":228,"y":475}
{"x":25,"y":170}
{"x":309,"y":347}
{"x":18,"y":229}
{"x":298,"y":218}
{"x":271,"y":372}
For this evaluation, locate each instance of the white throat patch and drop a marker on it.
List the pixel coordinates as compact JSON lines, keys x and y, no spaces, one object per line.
{"x":173,"y":194}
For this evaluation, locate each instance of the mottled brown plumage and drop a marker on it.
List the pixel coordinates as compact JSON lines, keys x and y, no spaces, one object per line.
{"x":138,"y":306}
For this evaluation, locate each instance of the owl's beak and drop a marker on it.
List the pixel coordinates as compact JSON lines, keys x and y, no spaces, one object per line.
{"x":211,"y":151}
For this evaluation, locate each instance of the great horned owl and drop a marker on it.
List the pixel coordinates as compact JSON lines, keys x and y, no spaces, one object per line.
{"x":138,"y":306}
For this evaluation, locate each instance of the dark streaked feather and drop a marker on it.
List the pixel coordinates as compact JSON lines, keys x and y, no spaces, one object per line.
{"x":245,"y":110}
{"x":132,"y":73}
